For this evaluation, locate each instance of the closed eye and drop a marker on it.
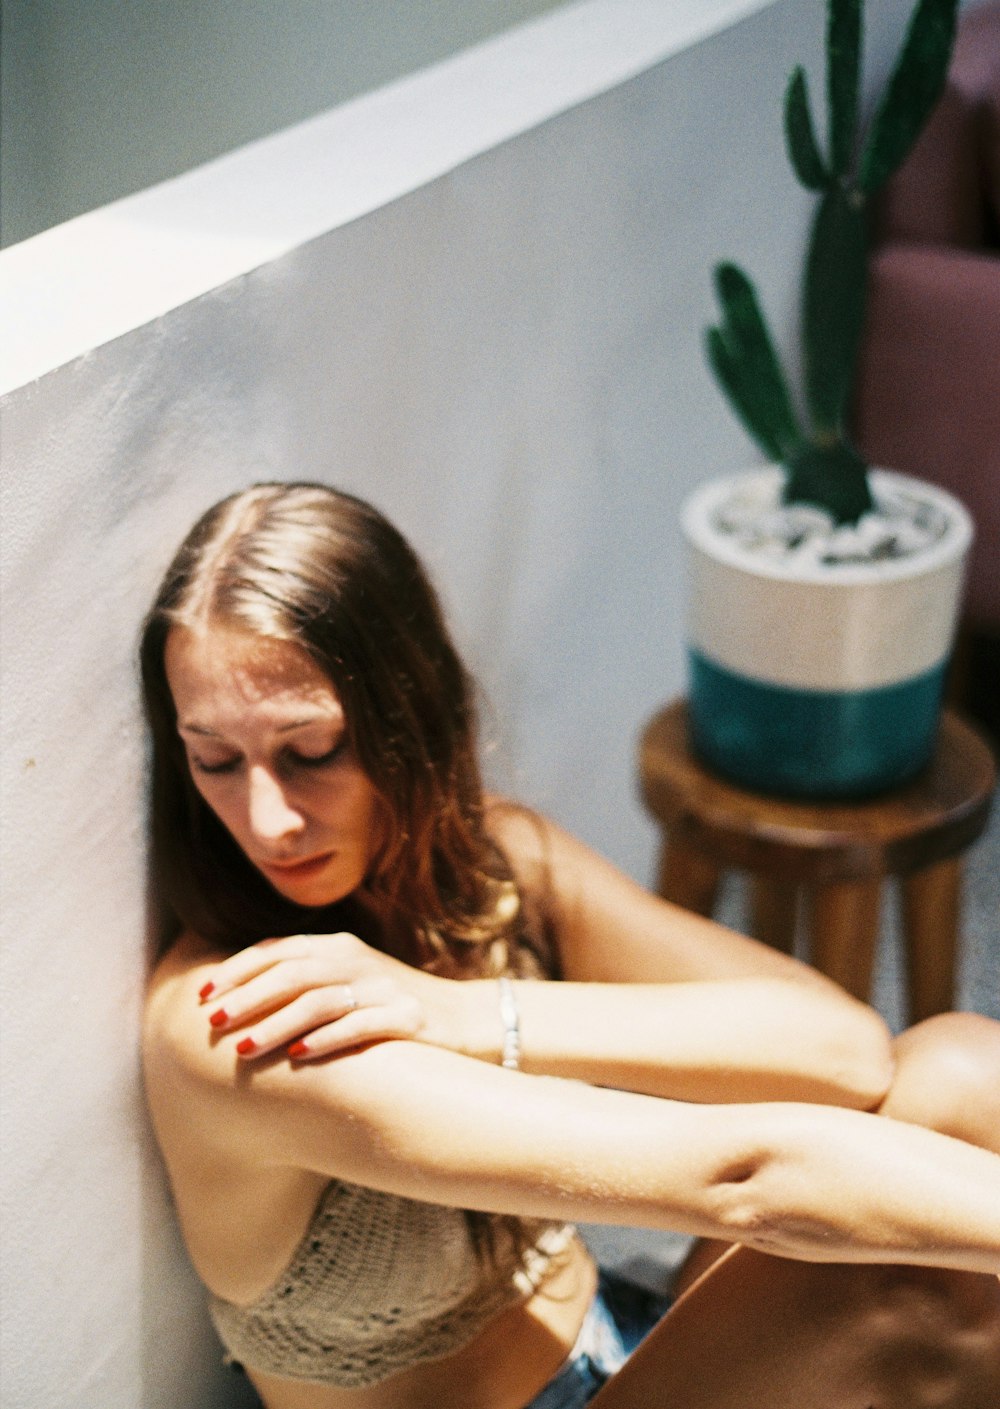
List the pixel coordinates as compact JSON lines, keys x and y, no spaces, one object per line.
{"x":292,"y":758}
{"x":305,"y":760}
{"x":228,"y":765}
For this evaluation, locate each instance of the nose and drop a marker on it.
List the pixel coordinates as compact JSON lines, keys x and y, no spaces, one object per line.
{"x":271,"y":812}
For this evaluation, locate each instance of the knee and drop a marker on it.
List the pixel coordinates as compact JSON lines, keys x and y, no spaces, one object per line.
{"x":948,"y":1077}
{"x":933,"y":1336}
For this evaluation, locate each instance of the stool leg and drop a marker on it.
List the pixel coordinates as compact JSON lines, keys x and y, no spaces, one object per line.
{"x":931,"y":902}
{"x":688,"y":878}
{"x":845,"y":917}
{"x":773,"y":907}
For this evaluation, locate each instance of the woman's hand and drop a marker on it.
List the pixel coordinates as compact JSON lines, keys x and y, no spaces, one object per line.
{"x":320,"y":994}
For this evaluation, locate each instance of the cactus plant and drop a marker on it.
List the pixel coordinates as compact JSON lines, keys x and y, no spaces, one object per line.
{"x":822,"y":466}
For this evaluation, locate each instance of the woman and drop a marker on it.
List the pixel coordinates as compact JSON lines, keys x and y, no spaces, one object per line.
{"x":378,"y":1200}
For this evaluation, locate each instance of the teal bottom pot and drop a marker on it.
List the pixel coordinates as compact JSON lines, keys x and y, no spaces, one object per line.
{"x":818,"y":679}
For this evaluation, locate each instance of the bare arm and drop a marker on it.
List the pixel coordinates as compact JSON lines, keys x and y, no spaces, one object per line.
{"x":725,"y":1041}
{"x":804,"y":1181}
{"x":657,"y":1000}
{"x":664,"y":1002}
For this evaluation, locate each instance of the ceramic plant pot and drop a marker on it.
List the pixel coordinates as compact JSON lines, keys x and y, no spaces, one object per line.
{"x":823,"y":682}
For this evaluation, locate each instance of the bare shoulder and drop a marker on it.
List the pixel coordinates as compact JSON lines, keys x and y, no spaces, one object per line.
{"x":212,"y":1108}
{"x":544,"y":853}
{"x":535,"y":844}
{"x":174,"y":1019}
{"x":522,"y":834}
{"x":611,"y":929}
{"x":199,"y":1097}
{"x":241,"y":1213}
{"x":245,"y":1143}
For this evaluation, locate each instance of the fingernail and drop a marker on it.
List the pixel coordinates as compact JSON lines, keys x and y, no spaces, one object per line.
{"x":206,"y":992}
{"x":298,"y":1049}
{"x":245,"y":1046}
{"x":219,"y":1017}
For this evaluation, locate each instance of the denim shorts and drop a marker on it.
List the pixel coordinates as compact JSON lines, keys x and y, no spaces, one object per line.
{"x":620,"y":1315}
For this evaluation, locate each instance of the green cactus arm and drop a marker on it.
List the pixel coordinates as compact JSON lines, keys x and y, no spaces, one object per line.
{"x":730,"y":374}
{"x":742,"y":356}
{"x":843,"y":63}
{"x":800,"y":139}
{"x":833,"y":476}
{"x":914,"y":88}
{"x":833,"y":305}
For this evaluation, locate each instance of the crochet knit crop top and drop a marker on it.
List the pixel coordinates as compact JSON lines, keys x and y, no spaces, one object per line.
{"x":378,"y":1283}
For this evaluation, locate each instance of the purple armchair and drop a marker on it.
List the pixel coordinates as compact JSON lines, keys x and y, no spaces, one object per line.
{"x":928,"y":385}
{"x":928,"y":391}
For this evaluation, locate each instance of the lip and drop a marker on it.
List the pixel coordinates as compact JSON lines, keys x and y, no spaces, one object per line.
{"x":292,"y":870}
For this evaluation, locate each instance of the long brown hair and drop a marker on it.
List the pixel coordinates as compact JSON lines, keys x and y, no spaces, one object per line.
{"x":308,"y":564}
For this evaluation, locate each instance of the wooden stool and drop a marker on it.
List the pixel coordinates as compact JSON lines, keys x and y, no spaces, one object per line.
{"x":838,"y":854}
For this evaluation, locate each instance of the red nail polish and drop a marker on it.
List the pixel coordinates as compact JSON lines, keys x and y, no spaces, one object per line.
{"x":298,"y":1049}
{"x":245,"y":1046}
{"x":206,"y":992}
{"x":219,"y":1017}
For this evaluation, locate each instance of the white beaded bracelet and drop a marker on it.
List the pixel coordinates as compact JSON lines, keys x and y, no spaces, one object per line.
{"x":510,"y":1016}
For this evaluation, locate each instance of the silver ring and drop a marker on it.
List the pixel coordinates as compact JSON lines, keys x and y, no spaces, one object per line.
{"x":349,"y":999}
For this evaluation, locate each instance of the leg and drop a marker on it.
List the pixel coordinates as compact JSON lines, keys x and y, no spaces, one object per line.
{"x":757,"y":1330}
{"x":688,"y":878}
{"x":947,"y":1078}
{"x":931,"y":900}
{"x":844,"y":931}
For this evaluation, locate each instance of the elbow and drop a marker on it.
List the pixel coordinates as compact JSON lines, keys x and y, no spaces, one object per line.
{"x":862,"y":1057}
{"x":851,"y":1053}
{"x":804,"y":1238}
{"x":742,"y":1208}
{"x":754,"y":1206}
{"x":839,"y":1048}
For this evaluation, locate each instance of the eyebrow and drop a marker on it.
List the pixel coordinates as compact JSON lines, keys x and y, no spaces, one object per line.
{"x":204,"y":733}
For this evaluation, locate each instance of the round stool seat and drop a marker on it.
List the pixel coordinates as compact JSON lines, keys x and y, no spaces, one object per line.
{"x":837,"y":854}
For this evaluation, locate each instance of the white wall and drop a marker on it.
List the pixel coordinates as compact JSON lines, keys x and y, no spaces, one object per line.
{"x":100,"y":98}
{"x":506,"y":357}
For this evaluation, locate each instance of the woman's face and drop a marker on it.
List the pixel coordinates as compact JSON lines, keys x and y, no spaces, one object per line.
{"x":267,"y":745}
